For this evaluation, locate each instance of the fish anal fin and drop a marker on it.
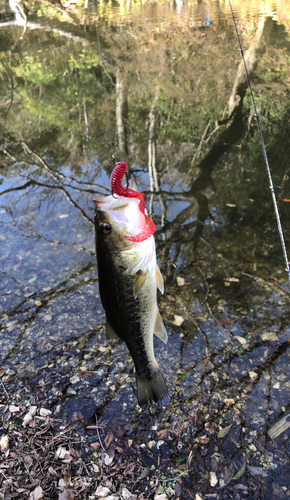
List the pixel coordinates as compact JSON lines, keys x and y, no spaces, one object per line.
{"x":153,"y":390}
{"x":110,"y":333}
{"x":140,"y":280}
{"x":159,"y":328}
{"x":159,"y":279}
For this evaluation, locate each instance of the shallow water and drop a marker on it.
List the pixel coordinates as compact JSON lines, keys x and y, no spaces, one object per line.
{"x":169,"y":96}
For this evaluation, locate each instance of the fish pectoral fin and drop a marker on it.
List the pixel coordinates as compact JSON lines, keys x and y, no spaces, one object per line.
{"x":159,"y":328}
{"x":159,"y":279}
{"x":110,"y":333}
{"x":140,"y":280}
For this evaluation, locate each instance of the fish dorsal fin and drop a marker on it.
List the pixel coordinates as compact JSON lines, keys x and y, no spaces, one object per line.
{"x":159,"y":328}
{"x":159,"y":279}
{"x":110,"y":333}
{"x":140,"y":280}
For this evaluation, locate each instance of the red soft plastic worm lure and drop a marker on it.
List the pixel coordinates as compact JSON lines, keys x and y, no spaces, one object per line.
{"x":115,"y":182}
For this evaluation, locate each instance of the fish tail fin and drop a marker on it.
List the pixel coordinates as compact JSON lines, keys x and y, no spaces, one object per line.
{"x":153,"y":390}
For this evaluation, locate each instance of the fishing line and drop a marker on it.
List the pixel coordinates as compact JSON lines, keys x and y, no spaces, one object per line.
{"x":264,"y":149}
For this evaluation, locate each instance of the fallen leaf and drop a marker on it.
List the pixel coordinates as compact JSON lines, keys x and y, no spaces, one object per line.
{"x":282,"y":425}
{"x":32,"y":279}
{"x":14,"y":408}
{"x":286,"y":200}
{"x":37,"y":303}
{"x":66,"y":495}
{"x":95,"y":446}
{"x":63,"y":216}
{"x":230,"y":205}
{"x":180,"y":281}
{"x":4,"y":444}
{"x":45,"y":271}
{"x":121,"y":432}
{"x":267,"y":336}
{"x":61,"y":452}
{"x":163,"y":433}
{"x":253,"y":375}
{"x":37,"y":493}
{"x":241,"y":340}
{"x":102,"y":492}
{"x":107,"y":459}
{"x":212,"y":478}
{"x":126,"y":494}
{"x":47,"y":317}
{"x":241,"y":471}
{"x":2,"y":371}
{"x":144,"y":473}
{"x":223,"y":432}
{"x":234,"y":280}
{"x":108,"y":439}
{"x":28,"y":460}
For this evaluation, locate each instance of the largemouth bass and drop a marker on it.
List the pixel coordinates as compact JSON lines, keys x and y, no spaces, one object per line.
{"x":128,"y":280}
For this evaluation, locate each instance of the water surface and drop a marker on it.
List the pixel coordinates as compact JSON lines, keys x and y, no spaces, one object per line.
{"x":165,"y":90}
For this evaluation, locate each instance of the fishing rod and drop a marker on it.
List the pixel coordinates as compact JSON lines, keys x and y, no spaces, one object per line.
{"x":280,"y":230}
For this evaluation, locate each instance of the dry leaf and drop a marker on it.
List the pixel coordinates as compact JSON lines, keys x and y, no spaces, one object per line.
{"x":4,"y":444}
{"x":14,"y":408}
{"x":107,"y":459}
{"x":253,"y":375}
{"x":102,"y":492}
{"x":269,"y":336}
{"x":282,"y":425}
{"x":66,"y":495}
{"x":63,"y":216}
{"x":180,"y":281}
{"x":61,"y":452}
{"x":234,"y":280}
{"x":109,"y":438}
{"x":223,"y":432}
{"x":241,"y":471}
{"x":95,"y":446}
{"x":230,"y":205}
{"x":2,"y":371}
{"x":37,"y":493}
{"x":47,"y":317}
{"x":212,"y":478}
{"x":241,"y":340}
{"x":126,"y":494}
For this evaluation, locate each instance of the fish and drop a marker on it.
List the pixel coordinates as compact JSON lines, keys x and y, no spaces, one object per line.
{"x":128,"y":281}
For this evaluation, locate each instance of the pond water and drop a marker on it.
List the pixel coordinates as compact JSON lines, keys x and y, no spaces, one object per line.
{"x":161,"y":84}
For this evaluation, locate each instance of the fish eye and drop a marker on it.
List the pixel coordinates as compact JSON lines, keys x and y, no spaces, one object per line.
{"x":106,"y":228}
